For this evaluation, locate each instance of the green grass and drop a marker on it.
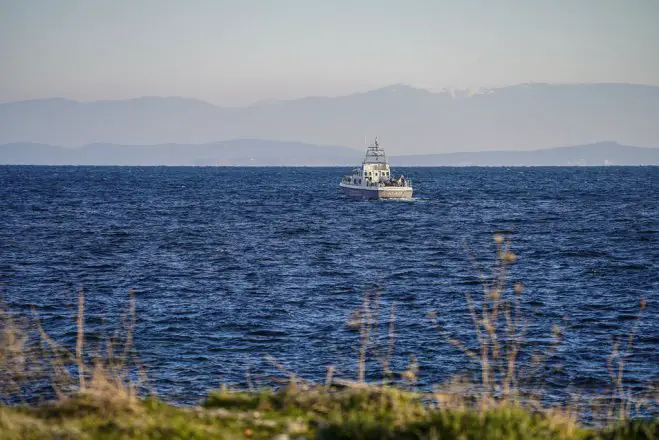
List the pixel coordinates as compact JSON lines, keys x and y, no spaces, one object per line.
{"x":359,"y":413}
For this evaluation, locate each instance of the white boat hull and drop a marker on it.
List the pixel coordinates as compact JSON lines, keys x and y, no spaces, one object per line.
{"x":381,"y":192}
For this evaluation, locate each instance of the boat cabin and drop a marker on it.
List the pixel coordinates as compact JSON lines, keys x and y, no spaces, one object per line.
{"x":374,"y":180}
{"x":375,"y":170}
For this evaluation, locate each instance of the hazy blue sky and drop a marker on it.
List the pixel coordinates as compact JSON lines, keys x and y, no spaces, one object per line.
{"x":236,"y":52}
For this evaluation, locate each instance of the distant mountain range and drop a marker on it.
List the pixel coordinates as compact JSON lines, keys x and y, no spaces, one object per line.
{"x":235,"y":152}
{"x":408,"y":120}
{"x":254,"y":152}
{"x":601,"y":153}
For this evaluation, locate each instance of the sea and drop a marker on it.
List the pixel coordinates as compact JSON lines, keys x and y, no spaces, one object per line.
{"x":244,"y":276}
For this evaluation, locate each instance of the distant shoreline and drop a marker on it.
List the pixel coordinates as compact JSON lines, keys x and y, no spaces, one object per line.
{"x":260,"y":153}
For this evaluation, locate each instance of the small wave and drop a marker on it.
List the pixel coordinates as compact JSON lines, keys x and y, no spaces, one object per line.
{"x":267,"y":333}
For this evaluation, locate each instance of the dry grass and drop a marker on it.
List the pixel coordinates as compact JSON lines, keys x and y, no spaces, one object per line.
{"x":24,"y":362}
{"x":500,"y":327}
{"x":370,"y":344}
{"x":13,"y":358}
{"x":620,"y":403}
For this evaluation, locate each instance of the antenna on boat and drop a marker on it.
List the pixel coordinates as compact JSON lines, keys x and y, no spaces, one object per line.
{"x":374,"y":154}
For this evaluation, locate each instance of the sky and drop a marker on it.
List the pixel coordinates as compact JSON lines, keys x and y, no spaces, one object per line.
{"x":240,"y":51}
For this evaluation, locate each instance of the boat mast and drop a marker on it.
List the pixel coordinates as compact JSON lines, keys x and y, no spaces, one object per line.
{"x":374,"y":154}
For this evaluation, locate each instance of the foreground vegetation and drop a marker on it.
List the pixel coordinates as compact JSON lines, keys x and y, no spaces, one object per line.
{"x":102,"y":394}
{"x":349,"y":413}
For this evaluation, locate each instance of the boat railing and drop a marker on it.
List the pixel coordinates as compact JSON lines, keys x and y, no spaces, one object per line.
{"x":396,"y":183}
{"x":402,"y":183}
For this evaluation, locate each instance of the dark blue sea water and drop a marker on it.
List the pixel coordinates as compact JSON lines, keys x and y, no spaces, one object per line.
{"x":230,"y":265}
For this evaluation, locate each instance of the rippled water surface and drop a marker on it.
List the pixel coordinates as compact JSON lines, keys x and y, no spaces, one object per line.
{"x":232,"y":264}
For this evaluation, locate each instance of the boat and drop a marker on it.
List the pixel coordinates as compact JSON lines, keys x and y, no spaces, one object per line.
{"x":374,"y":179}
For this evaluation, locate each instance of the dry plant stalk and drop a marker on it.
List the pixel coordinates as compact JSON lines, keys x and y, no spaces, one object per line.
{"x":365,"y":320}
{"x":621,"y":402}
{"x":291,"y":376}
{"x":13,"y":354}
{"x":364,"y":338}
{"x":329,"y":376}
{"x":58,"y":358}
{"x":369,"y":336}
{"x":54,"y":361}
{"x":80,"y":339}
{"x":500,"y":328}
